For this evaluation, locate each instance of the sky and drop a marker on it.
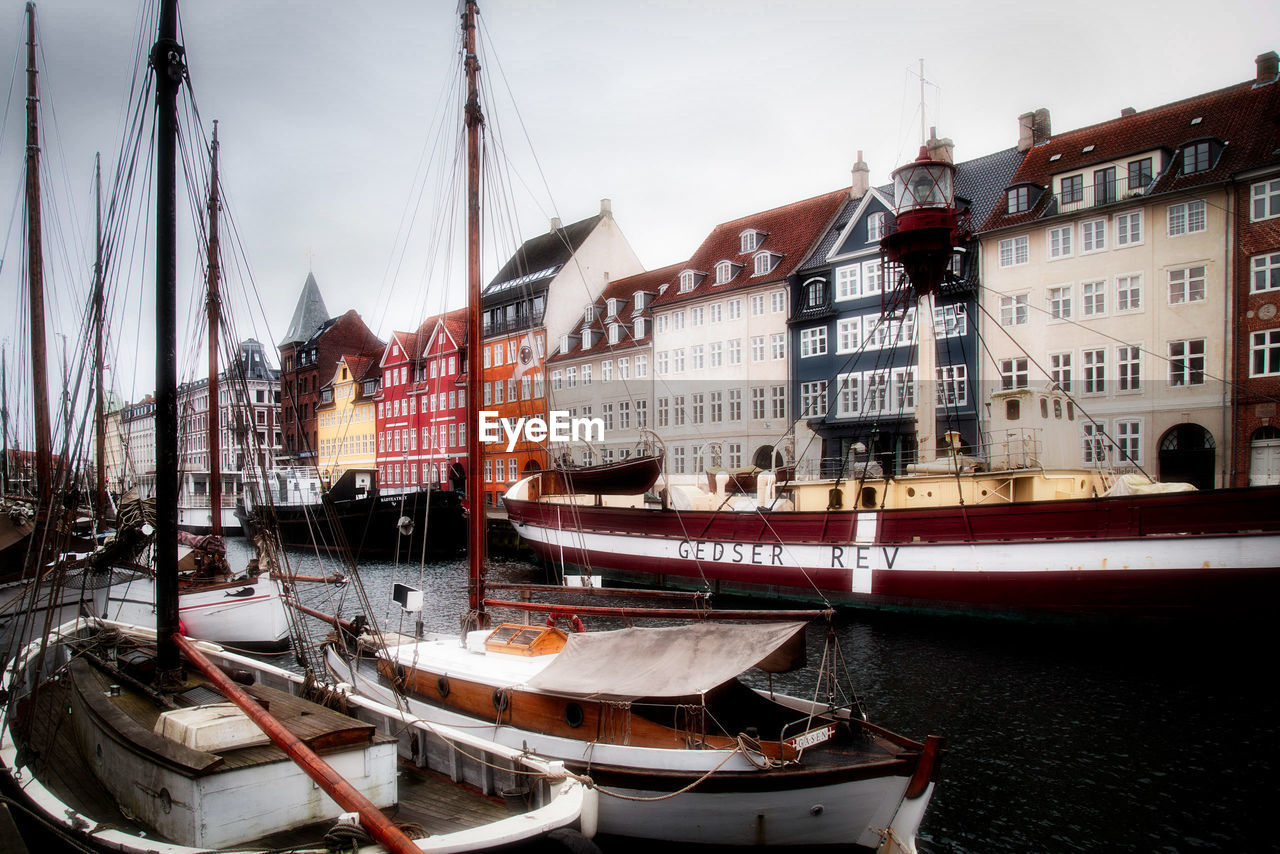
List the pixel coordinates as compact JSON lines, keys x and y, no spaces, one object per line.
{"x":683,"y":114}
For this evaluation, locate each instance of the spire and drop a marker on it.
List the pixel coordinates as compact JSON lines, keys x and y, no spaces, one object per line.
{"x":309,"y":315}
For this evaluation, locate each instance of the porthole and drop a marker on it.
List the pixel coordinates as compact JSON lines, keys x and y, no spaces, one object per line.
{"x":573,"y":715}
{"x":442,"y":685}
{"x":500,"y":699}
{"x":911,"y":492}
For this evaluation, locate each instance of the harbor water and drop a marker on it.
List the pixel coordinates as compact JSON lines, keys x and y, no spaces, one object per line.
{"x":1059,"y":739}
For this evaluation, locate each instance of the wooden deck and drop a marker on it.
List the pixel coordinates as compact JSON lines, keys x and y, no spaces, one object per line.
{"x":426,"y":799}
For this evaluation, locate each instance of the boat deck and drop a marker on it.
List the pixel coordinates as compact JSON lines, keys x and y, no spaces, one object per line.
{"x":426,"y":799}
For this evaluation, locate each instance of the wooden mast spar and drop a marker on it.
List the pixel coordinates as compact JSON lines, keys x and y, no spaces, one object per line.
{"x":213,"y":304}
{"x":35,"y":272}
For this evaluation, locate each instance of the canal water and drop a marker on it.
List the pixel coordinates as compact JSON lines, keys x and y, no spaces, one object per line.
{"x":1059,"y":739}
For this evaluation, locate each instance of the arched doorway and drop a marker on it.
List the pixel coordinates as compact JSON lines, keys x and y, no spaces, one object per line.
{"x":1187,"y":454}
{"x":1264,"y":456}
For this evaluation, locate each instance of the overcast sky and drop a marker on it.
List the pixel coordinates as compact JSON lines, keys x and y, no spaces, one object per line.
{"x":684,"y":114}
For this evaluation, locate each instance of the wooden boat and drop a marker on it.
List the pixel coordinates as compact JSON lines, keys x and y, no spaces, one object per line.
{"x":682,"y":750}
{"x":177,"y":746}
{"x":624,"y":477}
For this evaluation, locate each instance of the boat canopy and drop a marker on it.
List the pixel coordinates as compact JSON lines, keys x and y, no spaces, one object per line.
{"x":679,"y":661}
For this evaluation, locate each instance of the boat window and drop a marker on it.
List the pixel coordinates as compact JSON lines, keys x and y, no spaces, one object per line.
{"x":868,"y":497}
{"x":1044,"y":407}
{"x":1057,"y":409}
{"x":1013,"y":409}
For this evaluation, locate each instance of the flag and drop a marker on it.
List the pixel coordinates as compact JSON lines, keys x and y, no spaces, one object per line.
{"x":527,"y":357}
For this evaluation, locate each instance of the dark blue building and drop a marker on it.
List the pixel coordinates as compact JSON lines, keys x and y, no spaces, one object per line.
{"x":853,"y":330}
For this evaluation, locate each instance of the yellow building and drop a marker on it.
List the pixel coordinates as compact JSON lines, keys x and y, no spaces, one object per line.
{"x":346,"y":419}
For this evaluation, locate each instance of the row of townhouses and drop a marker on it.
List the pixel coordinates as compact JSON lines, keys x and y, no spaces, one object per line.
{"x":1134,"y":264}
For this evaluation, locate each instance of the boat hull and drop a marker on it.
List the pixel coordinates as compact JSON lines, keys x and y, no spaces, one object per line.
{"x":247,"y":615}
{"x":1155,"y":555}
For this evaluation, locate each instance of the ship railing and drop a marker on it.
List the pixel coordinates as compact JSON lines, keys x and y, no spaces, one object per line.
{"x":1012,"y":448}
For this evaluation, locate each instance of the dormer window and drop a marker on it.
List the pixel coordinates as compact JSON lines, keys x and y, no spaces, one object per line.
{"x":725,"y":271}
{"x":815,"y":293}
{"x":750,"y":240}
{"x":614,"y":306}
{"x":640,"y":330}
{"x":1197,"y":156}
{"x":764,"y":262}
{"x":641,"y":300}
{"x":565,"y":344}
{"x":588,"y":338}
{"x":1019,"y":199}
{"x":875,"y":227}
{"x":688,"y":281}
{"x":1139,"y":174}
{"x":615,"y":333}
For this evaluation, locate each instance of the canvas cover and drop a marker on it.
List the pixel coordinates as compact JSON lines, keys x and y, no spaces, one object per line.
{"x":666,"y":662}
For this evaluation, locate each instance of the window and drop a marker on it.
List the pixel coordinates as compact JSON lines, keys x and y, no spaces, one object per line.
{"x":606,"y":368}
{"x":735,"y":404}
{"x":724,"y":272}
{"x":778,"y":345}
{"x":1014,"y":310}
{"x":696,"y":408}
{"x":764,"y":262}
{"x":757,"y":305}
{"x":571,"y":377}
{"x":813,"y":399}
{"x":1094,"y":363}
{"x":717,"y":312}
{"x":1071,"y":189}
{"x":624,"y":415}
{"x":642,"y":414}
{"x":1104,"y":185}
{"x":1129,"y":441}
{"x":1264,"y":353}
{"x":1094,"y":446}
{"x":677,"y":410}
{"x":697,"y":358}
{"x":606,"y":412}
{"x":757,"y":348}
{"x":677,"y":361}
{"x":847,"y":394}
{"x":1139,"y":174}
{"x":1128,"y":367}
{"x":1196,"y":157}
{"x":1093,"y":235}
{"x":1093,"y":298}
{"x":847,"y":279}
{"x":662,"y":321}
{"x":663,"y":406}
{"x":678,"y":457}
{"x":697,"y":316}
{"x":1186,"y":362}
{"x":662,"y":365}
{"x":735,"y":351}
{"x":1013,"y":374}
{"x":872,"y":278}
{"x":1060,"y":370}
{"x":624,"y":368}
{"x":735,"y":455}
{"x":748,"y":241}
{"x":1019,"y":200}
{"x":1015,"y":251}
{"x":1265,"y":196}
{"x":717,"y":407}
{"x":953,"y":387}
{"x":1129,"y":228}
{"x":715,"y":354}
{"x":1186,"y":285}
{"x":1060,"y":242}
{"x":779,"y":397}
{"x":1060,"y":303}
{"x":875,"y":227}
{"x":642,"y":367}
{"x":778,"y":301}
{"x":1186,"y":218}
{"x":815,"y":293}
{"x":677,"y":321}
{"x":757,"y":403}
{"x":586,"y":375}
{"x":1129,"y":293}
{"x":1265,"y":272}
{"x":735,"y":309}
{"x":848,"y":334}
{"x":813,"y":342}
{"x":687,"y":281}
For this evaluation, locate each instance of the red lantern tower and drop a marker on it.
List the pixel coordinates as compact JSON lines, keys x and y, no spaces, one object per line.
{"x":925,"y":236}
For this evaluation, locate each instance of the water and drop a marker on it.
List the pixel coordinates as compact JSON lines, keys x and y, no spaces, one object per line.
{"x":1059,"y":739}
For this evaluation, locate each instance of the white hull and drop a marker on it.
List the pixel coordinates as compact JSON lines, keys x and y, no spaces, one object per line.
{"x":851,"y":812}
{"x":198,"y":519}
{"x":251,"y":615}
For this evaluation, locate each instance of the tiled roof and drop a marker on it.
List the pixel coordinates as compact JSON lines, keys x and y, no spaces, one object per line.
{"x":790,"y":231}
{"x":538,"y":255}
{"x":623,"y":289}
{"x":1245,"y":117}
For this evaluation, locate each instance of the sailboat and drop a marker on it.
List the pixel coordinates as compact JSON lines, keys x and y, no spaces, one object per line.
{"x":682,"y":749}
{"x":177,"y":745}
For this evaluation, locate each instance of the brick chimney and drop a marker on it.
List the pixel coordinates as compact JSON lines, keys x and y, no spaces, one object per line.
{"x":1127,"y":111}
{"x":1033,"y":128}
{"x":1268,"y":66}
{"x":555,"y":223}
{"x":940,"y":149}
{"x":861,"y":179}
{"x":606,"y":207}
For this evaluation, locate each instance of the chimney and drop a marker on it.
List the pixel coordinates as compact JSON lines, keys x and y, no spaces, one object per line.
{"x":606,"y":207}
{"x":1033,"y":128}
{"x":861,"y":179}
{"x":555,"y":223}
{"x":1268,"y":66}
{"x":940,"y":149}
{"x":1127,"y":111}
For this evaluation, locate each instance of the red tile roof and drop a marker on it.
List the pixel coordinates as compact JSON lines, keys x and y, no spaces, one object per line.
{"x":1245,"y":117}
{"x":623,"y":289}
{"x":790,"y":231}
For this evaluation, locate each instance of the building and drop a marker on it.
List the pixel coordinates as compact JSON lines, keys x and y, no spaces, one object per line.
{"x":346,"y":428}
{"x":1108,"y":270}
{"x":721,"y":369}
{"x":441,"y":390}
{"x":854,"y":335}
{"x":309,"y":354}
{"x":537,"y":297}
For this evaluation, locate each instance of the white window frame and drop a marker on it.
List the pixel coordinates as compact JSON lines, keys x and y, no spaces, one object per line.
{"x":1128,"y":441}
{"x":1188,"y":217}
{"x":1184,"y":355}
{"x":813,"y":342}
{"x":1093,"y":298}
{"x":1060,"y":373}
{"x":1128,"y":368}
{"x":1093,"y":371}
{"x":763,"y":263}
{"x":1183,"y":284}
{"x":875,"y":227}
{"x":1264,"y":272}
{"x":1093,"y":236}
{"x":1264,"y":200}
{"x":1015,"y":251}
{"x":1126,"y":224}
{"x":848,"y":282}
{"x":813,"y":399}
{"x":1127,"y":284}
{"x":1015,"y":373}
{"x":1058,"y":242}
{"x":1059,"y":299}
{"x":1015,"y":309}
{"x":724,"y":272}
{"x":1264,"y":353}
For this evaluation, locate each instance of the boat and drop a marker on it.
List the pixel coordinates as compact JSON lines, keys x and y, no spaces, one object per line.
{"x":681,"y":749}
{"x":176,"y":745}
{"x":1007,"y":529}
{"x":624,"y":477}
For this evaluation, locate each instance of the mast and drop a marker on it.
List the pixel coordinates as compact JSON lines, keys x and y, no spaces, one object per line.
{"x":213,"y":304}
{"x":35,"y":267}
{"x":99,"y":361}
{"x":475,"y":333}
{"x":168,"y":63}
{"x":4,"y":422}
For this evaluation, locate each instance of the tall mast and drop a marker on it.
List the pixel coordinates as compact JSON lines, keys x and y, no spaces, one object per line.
{"x":475,"y":334}
{"x":99,"y":360}
{"x":4,"y":422}
{"x":35,"y":267}
{"x":214,"y":306}
{"x":168,"y":63}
